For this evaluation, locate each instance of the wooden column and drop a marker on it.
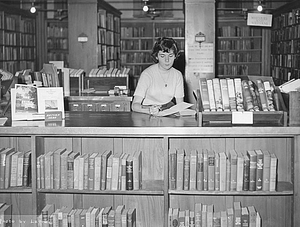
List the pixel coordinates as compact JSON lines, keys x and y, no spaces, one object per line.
{"x":199,"y":17}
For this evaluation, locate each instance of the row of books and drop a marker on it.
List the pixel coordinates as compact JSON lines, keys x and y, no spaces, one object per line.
{"x":54,"y":43}
{"x":133,"y":31}
{"x":136,"y":57}
{"x":207,"y":170}
{"x":288,"y":47}
{"x":244,"y":44}
{"x":230,"y":57}
{"x":65,"y":169}
{"x":27,"y":40}
{"x":205,"y":215}
{"x":286,"y":33}
{"x":237,"y":31}
{"x":235,"y":94}
{"x":89,"y":217}
{"x":57,"y":31}
{"x":15,"y":168}
{"x":169,"y":32}
{"x":109,"y":72}
{"x":136,"y":44}
{"x":286,"y":19}
{"x":285,"y":74}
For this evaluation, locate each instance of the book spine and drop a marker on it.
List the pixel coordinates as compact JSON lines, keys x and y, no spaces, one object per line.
{"x":200,"y":171}
{"x":180,"y":170}
{"x":247,"y":96}
{"x":262,"y":95}
{"x":205,"y":171}
{"x":172,"y":168}
{"x":259,"y":171}
{"x":246,"y":173}
{"x":91,"y":173}
{"x":255,"y":98}
{"x":20,"y":170}
{"x":193,"y":170}
{"x":211,"y":171}
{"x":186,"y":177}
{"x":129,"y":175}
{"x":252,"y":173}
{"x":239,"y":94}
{"x":211,"y":96}
{"x":204,"y":94}
{"x":217,"y":172}
{"x":225,"y":94}
{"x":70,"y":171}
{"x":218,"y":94}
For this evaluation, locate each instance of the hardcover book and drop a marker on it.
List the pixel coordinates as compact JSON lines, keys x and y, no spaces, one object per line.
{"x":259,"y":169}
{"x":233,"y":170}
{"x":115,"y":171}
{"x":252,"y":169}
{"x":64,"y":169}
{"x":211,"y":95}
{"x":200,"y":171}
{"x":205,"y":170}
{"x":198,"y":214}
{"x":129,"y":173}
{"x":180,"y":169}
{"x":245,"y":217}
{"x":239,"y":94}
{"x":237,"y":214}
{"x":273,"y":172}
{"x":266,"y":171}
{"x":47,"y":170}
{"x":204,"y":94}
{"x":246,"y":172}
{"x":240,"y":171}
{"x":225,"y":94}
{"x":217,"y":171}
{"x":217,"y":94}
{"x":262,"y":95}
{"x":211,"y":170}
{"x":223,"y":163}
{"x":57,"y":167}
{"x":7,"y":170}
{"x":97,"y":174}
{"x":104,"y":158}
{"x":247,"y":96}
{"x":172,"y":168}
{"x":109,"y":171}
{"x":91,"y":171}
{"x":70,"y":169}
{"x":186,"y":169}
{"x":193,"y":170}
{"x":137,"y":170}
{"x":231,"y":94}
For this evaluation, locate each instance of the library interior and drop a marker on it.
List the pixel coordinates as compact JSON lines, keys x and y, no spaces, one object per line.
{"x":73,"y":153}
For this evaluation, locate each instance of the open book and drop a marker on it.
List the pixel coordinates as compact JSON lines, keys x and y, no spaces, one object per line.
{"x":181,"y":109}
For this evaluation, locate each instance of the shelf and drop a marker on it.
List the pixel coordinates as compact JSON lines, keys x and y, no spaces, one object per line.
{"x":283,"y":189}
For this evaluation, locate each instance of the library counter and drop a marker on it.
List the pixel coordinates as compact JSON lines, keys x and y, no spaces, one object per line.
{"x":131,"y":123}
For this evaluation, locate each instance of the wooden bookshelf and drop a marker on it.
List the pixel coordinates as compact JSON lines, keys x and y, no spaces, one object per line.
{"x":99,"y":23}
{"x":17,"y":39}
{"x":138,"y":37}
{"x":57,"y":41}
{"x":127,"y":132}
{"x":239,"y":48}
{"x":285,"y":43}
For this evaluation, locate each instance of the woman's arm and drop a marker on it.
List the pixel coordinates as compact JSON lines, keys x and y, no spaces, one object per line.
{"x":138,"y":107}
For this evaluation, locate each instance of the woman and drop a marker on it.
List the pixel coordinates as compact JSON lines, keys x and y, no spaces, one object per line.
{"x":160,"y":83}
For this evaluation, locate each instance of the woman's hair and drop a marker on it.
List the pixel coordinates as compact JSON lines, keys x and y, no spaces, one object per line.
{"x":164,"y":44}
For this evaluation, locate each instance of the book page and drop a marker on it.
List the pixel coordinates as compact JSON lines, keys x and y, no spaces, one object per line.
{"x":175,"y":109}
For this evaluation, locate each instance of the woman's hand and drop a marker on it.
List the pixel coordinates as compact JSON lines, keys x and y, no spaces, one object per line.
{"x":154,"y":110}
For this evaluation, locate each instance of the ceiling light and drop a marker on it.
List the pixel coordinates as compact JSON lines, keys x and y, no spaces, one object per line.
{"x":145,"y":8}
{"x":260,"y":7}
{"x":32,"y":9}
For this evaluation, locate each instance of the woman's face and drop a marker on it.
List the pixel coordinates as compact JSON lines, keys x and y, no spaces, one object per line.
{"x":166,"y":60}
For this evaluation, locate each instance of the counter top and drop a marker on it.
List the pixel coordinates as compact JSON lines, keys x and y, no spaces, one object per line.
{"x":136,"y":124}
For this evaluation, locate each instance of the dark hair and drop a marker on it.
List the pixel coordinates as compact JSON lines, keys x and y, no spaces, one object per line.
{"x":164,"y":44}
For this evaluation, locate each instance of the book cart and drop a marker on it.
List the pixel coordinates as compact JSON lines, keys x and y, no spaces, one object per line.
{"x":127,"y":132}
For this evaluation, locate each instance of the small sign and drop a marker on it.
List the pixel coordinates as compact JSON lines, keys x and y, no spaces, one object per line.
{"x":53,"y":116}
{"x":244,"y":117}
{"x":259,"y":19}
{"x":82,"y":38}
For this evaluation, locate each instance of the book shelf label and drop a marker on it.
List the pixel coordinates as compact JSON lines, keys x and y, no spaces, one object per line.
{"x":244,"y":117}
